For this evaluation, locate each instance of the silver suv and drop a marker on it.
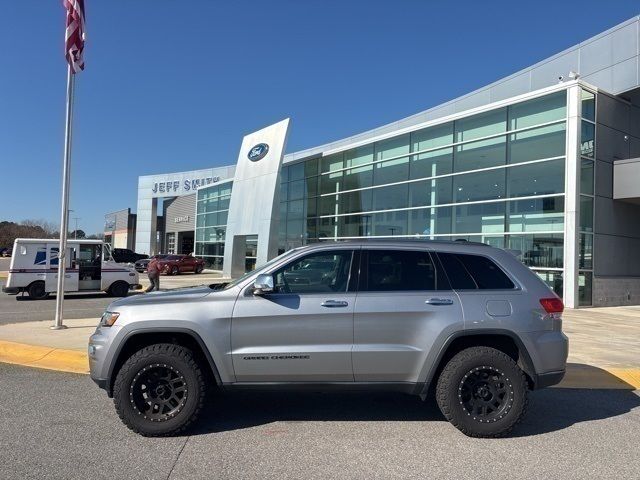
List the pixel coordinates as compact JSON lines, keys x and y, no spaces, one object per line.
{"x":465,"y":321}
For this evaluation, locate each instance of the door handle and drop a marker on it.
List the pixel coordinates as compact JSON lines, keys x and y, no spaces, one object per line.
{"x":439,"y":301}
{"x":334,"y":303}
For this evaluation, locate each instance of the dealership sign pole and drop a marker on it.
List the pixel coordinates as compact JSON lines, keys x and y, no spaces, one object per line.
{"x":74,"y":49}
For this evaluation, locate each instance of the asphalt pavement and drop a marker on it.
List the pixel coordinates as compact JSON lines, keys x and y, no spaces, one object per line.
{"x":58,"y":425}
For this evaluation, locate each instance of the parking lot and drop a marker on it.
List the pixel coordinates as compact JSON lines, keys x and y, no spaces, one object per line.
{"x":14,"y":309}
{"x":58,"y":425}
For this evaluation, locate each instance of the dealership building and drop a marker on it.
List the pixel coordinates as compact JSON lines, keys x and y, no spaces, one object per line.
{"x":545,"y":162}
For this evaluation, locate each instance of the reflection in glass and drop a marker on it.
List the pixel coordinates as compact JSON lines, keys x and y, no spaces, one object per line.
{"x":586,"y":213}
{"x":539,"y":110}
{"x":481,"y":125}
{"x":392,"y":171}
{"x":537,"y":143}
{"x":487,"y":185}
{"x":553,"y":279}
{"x":394,"y":196}
{"x":585,"y":281}
{"x":431,"y":164}
{"x":480,"y":154}
{"x":585,"y":251}
{"x":536,"y":179}
{"x":536,"y":214}
{"x":432,"y":137}
{"x":436,"y":191}
{"x":392,"y":147}
{"x":588,"y":105}
{"x":479,"y":218}
{"x":587,"y":139}
{"x":586,"y":176}
{"x":539,"y":250}
{"x":389,"y":223}
{"x":430,"y":221}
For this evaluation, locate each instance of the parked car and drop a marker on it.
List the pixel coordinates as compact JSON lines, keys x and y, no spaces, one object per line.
{"x":125,"y":255}
{"x":175,"y":264}
{"x":467,"y":321}
{"x":141,"y":265}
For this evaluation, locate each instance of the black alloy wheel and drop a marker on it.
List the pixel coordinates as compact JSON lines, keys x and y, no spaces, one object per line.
{"x":158,"y":392}
{"x":486,"y":394}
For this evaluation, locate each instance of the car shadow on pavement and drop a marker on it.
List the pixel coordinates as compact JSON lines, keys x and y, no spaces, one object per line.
{"x":549,"y":410}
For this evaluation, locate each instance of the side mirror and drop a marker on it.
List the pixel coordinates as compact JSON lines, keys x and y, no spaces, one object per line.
{"x":263,"y":284}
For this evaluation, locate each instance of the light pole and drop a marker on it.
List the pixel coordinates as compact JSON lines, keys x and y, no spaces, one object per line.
{"x":75,"y":232}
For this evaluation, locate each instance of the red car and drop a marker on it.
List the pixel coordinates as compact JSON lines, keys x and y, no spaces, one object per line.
{"x":175,"y":264}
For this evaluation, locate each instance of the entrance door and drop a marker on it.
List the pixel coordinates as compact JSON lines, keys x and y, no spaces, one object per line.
{"x":71,"y":272}
{"x":303,"y":331}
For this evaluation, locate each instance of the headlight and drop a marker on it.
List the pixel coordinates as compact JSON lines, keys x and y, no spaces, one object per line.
{"x":108,"y":319}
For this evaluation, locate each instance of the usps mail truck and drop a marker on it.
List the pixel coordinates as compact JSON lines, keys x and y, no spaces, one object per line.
{"x":89,"y":268}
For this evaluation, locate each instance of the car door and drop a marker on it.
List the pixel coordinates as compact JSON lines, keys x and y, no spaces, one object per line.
{"x":303,"y":330}
{"x":404,"y":307}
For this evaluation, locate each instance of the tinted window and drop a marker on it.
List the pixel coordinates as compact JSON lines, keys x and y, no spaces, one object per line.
{"x":318,"y":272}
{"x":399,"y":270}
{"x":474,"y":271}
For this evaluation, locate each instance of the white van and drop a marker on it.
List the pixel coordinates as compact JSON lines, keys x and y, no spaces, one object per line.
{"x":89,"y":268}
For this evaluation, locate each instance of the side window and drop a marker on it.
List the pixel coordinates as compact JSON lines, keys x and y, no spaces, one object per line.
{"x":320,"y":272}
{"x":398,"y":270}
{"x":474,"y":271}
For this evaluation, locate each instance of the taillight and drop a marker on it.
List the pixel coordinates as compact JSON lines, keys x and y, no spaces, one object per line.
{"x":552,"y":305}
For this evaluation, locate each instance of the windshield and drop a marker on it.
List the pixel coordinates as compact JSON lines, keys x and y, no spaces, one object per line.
{"x":259,"y":269}
{"x":106,"y":253}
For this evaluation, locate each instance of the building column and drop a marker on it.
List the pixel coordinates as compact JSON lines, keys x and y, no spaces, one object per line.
{"x":146,"y":225}
{"x":572,"y":198}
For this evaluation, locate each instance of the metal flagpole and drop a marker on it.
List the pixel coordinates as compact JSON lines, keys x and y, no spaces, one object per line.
{"x":64,"y":214}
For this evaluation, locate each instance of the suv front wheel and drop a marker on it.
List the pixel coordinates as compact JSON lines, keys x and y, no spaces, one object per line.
{"x":159,"y":390}
{"x":482,"y":392}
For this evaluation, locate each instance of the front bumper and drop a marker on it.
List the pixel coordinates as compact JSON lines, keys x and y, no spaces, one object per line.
{"x":11,"y":290}
{"x":98,"y":353}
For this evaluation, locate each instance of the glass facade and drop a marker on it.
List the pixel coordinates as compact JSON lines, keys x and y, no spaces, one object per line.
{"x":212,"y":208}
{"x":496,"y":177}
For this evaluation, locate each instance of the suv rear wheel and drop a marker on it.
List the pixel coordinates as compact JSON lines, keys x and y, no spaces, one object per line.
{"x":159,"y":390}
{"x":482,"y":392}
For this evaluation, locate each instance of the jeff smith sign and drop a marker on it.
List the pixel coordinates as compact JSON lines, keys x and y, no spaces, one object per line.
{"x":177,"y":186}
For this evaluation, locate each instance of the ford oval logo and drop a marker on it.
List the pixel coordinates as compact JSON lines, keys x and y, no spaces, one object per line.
{"x":258,"y":152}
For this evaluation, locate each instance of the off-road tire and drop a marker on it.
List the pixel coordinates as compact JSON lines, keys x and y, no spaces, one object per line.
{"x":119,"y":289}
{"x":36,"y":291}
{"x":161,"y":355}
{"x":467,"y":367}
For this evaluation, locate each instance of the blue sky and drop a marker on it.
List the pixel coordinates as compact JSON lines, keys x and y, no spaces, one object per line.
{"x":174,"y":85}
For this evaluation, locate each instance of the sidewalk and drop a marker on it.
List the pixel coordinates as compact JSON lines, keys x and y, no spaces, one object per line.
{"x":604,"y":346}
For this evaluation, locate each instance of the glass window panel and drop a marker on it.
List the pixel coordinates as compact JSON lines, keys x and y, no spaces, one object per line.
{"x":295,"y":230}
{"x":537,"y":143}
{"x":359,"y":201}
{"x":586,"y":213}
{"x":331,"y":183}
{"x":536,"y":215}
{"x":536,"y":179}
{"x":481,"y":154}
{"x":588,"y":105}
{"x":212,"y":234}
{"x":399,"y":270}
{"x":392,"y":147}
{"x":283,"y":213}
{"x":539,"y":250}
{"x":553,"y":279}
{"x":586,"y":176}
{"x":319,"y":272}
{"x":284,"y":174}
{"x":284,"y":190}
{"x":585,"y":251}
{"x":587,"y":139}
{"x":311,"y":167}
{"x":358,"y":156}
{"x":311,"y":205}
{"x":585,"y":283}
{"x":355,"y":226}
{"x":482,"y":125}
{"x":394,"y":196}
{"x":391,"y":171}
{"x":539,"y":110}
{"x":312,"y":228}
{"x":360,"y":177}
{"x":479,"y":186}
{"x":331,"y":163}
{"x":327,"y":227}
{"x":295,"y":210}
{"x":390,"y":223}
{"x":223,"y":203}
{"x":430,"y":221}
{"x":431,"y":192}
{"x":296,"y":171}
{"x":296,"y":190}
{"x":480,"y":218}
{"x":222,"y":217}
{"x":311,"y":185}
{"x":328,"y":205}
{"x":432,"y":137}
{"x":430,"y":164}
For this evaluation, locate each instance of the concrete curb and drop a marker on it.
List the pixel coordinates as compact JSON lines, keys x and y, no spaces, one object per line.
{"x":75,"y":361}
{"x":72,"y":361}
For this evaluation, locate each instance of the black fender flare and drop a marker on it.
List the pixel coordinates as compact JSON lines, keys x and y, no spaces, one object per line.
{"x":142,"y":331}
{"x":524,"y":357}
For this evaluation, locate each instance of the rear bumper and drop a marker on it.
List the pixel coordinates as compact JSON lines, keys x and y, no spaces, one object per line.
{"x":11,"y":290}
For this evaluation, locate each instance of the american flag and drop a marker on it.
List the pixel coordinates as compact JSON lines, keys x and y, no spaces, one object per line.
{"x":74,"y":34}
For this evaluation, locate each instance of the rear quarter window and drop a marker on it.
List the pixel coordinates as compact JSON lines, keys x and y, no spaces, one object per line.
{"x":471,"y":272}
